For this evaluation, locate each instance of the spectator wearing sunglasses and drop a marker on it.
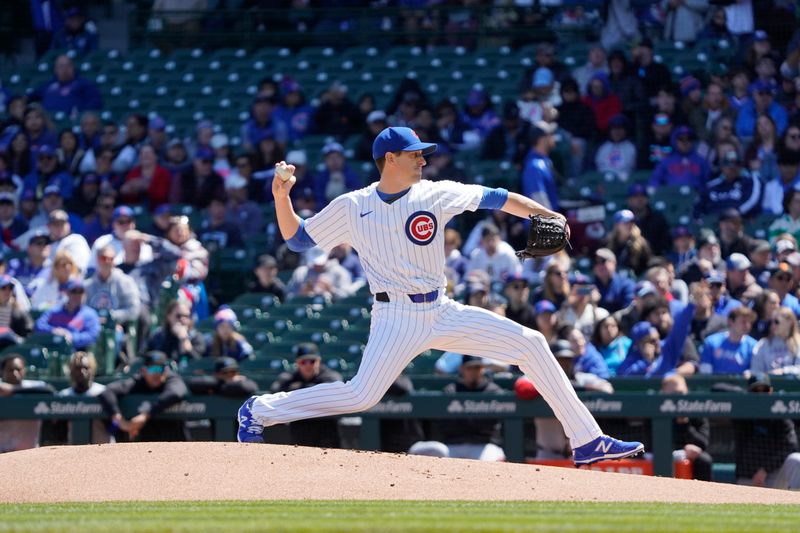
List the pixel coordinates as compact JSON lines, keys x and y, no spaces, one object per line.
{"x":226,"y":381}
{"x":309,"y":371}
{"x":177,"y":337}
{"x":100,"y":221}
{"x":164,"y":388}
{"x":779,"y":352}
{"x":76,"y":322}
{"x":780,"y":281}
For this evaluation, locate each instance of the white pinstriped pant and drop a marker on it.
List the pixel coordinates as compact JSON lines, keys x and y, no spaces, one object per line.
{"x":400,"y":330}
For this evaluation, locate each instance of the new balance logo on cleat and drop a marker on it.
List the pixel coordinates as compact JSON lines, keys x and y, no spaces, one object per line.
{"x":605,"y":448}
{"x":250,"y":429}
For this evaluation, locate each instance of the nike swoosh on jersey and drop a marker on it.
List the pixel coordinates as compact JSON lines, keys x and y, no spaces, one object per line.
{"x":362,"y":215}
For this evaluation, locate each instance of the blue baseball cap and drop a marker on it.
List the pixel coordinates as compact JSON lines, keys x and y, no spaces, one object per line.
{"x":764,"y":86}
{"x":641,"y":330}
{"x":46,"y":150}
{"x":398,"y":139}
{"x":122,"y":211}
{"x":52,"y":189}
{"x":681,"y":231}
{"x":204,"y":154}
{"x":624,"y":215}
{"x":157,"y":123}
{"x":637,"y":189}
{"x":544,"y":306}
{"x":714,"y":276}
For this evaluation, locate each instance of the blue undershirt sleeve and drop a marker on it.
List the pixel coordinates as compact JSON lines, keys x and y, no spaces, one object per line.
{"x":301,"y":241}
{"x":493,"y":198}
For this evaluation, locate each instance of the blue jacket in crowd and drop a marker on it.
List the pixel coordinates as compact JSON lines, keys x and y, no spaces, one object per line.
{"x":79,"y":94}
{"x":671,"y":350}
{"x":742,"y":194}
{"x":618,"y":294}
{"x":84,"y":324}
{"x":592,"y":362}
{"x":721,"y":356}
{"x":678,"y":169}
{"x":538,"y":180}
{"x":746,"y":121}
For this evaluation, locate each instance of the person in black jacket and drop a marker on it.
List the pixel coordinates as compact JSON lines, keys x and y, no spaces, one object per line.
{"x":226,"y":381}
{"x":652,"y":223}
{"x":470,"y":438}
{"x":508,"y":141}
{"x":398,"y":434}
{"x":19,"y":434}
{"x":309,"y":371}
{"x":690,"y":435}
{"x":154,"y":378}
{"x":177,"y":337}
{"x":766,"y":450}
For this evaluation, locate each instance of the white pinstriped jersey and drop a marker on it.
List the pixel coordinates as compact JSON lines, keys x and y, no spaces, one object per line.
{"x":400,"y":245}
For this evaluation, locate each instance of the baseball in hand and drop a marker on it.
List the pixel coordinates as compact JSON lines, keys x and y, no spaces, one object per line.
{"x":283,"y":172}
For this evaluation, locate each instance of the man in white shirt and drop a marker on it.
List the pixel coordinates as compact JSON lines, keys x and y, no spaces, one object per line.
{"x":494,"y":256}
{"x":122,"y":221}
{"x":63,"y":239}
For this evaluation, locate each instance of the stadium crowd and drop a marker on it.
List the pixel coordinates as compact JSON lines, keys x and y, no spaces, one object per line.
{"x":94,"y":220}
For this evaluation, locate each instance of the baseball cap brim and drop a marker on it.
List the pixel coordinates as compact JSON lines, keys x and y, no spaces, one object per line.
{"x":427,"y":148}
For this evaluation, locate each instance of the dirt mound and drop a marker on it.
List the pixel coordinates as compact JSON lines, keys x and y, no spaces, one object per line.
{"x":231,"y":471}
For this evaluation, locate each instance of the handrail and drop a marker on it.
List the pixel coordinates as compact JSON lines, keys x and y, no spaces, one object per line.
{"x":327,"y":26}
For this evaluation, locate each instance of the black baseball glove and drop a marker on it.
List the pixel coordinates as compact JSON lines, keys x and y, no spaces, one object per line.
{"x":547,"y":236}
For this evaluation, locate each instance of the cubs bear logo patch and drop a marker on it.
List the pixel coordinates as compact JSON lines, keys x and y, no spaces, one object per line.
{"x":421,"y":228}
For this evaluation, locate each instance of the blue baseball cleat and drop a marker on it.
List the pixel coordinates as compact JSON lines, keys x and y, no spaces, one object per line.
{"x":249,"y":428}
{"x":603,"y":448}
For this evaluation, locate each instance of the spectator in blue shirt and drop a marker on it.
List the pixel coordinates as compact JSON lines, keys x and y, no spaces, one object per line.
{"x":262,"y":123}
{"x":612,"y":344}
{"x":48,"y":173}
{"x":683,"y":247}
{"x":538,"y":176}
{"x":67,"y":92}
{"x":478,"y":113}
{"x":294,"y":113}
{"x":25,"y":269}
{"x":76,"y":322}
{"x":78,"y":34}
{"x":721,"y":303}
{"x":762,"y":100}
{"x":12,"y":225}
{"x":684,"y":166}
{"x":734,"y":188}
{"x":616,"y":291}
{"x":587,"y":359}
{"x":650,"y":354}
{"x":336,"y":178}
{"x":729,"y":352}
{"x":780,"y":281}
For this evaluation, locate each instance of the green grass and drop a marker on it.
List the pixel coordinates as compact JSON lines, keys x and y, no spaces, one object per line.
{"x":395,"y":516}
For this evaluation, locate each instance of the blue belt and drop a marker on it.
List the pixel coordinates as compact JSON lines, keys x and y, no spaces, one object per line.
{"x":416,"y":298}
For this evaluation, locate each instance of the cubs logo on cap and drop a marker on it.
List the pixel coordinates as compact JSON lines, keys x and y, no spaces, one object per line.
{"x":421,"y":228}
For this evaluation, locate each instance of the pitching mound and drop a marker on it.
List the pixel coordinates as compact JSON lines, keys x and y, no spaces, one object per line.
{"x":231,"y":471}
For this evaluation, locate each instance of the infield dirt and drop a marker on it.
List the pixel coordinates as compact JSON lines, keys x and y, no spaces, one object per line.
{"x":232,"y":471}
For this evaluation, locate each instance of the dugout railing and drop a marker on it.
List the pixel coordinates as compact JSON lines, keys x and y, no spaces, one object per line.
{"x":659,"y":409}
